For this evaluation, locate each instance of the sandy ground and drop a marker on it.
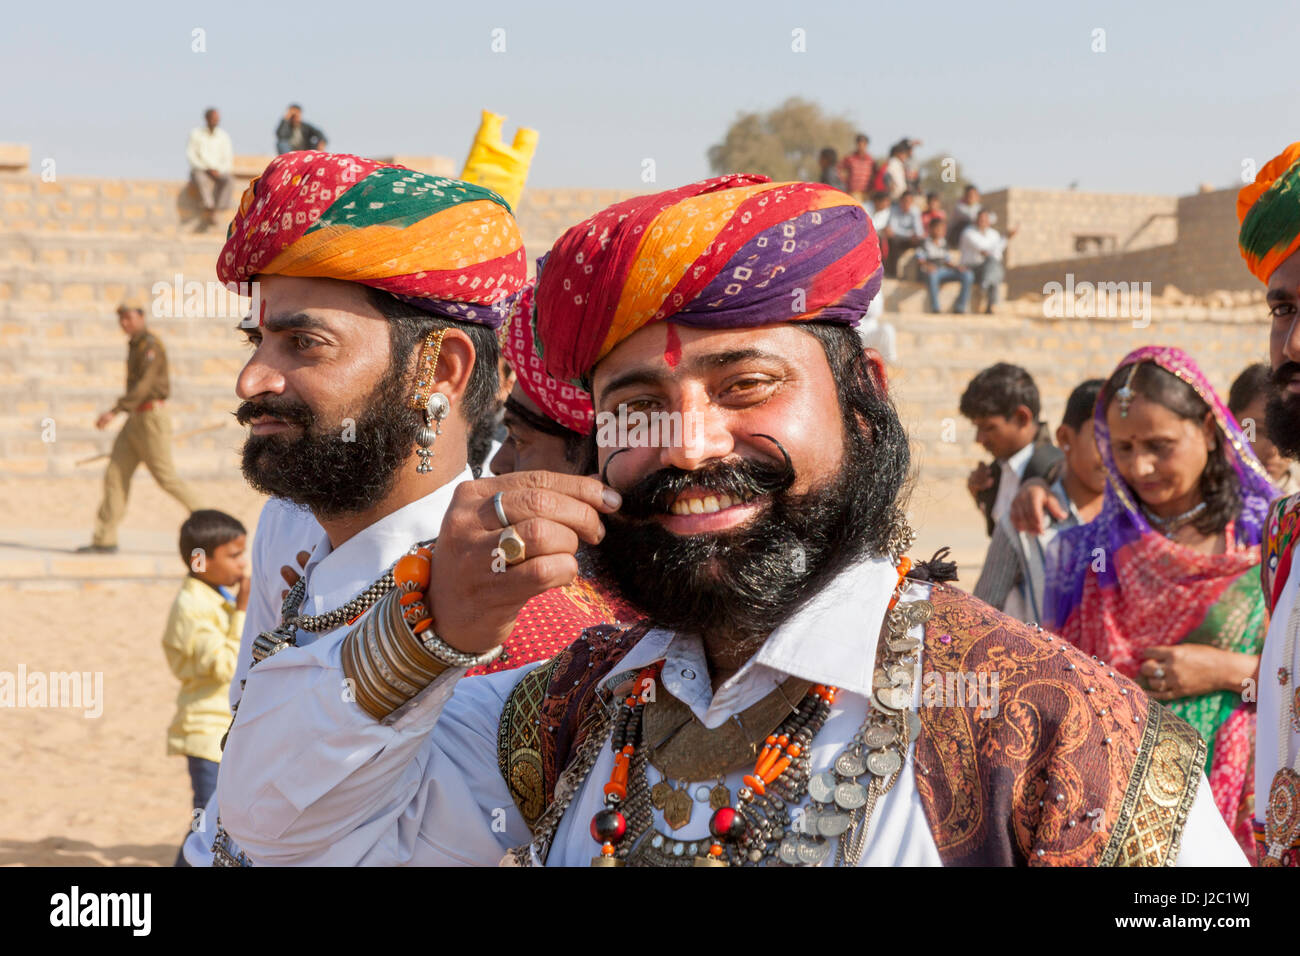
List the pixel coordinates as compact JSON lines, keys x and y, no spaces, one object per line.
{"x":101,"y":790}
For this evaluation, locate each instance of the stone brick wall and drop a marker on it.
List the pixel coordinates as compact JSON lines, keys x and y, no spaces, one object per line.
{"x":1050,"y":221}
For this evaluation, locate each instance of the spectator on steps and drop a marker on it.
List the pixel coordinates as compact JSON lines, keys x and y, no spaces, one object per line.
{"x":211,"y":158}
{"x":982,"y":248}
{"x":935,"y":261}
{"x":293,"y":134}
{"x":830,"y":175}
{"x":857,"y":169}
{"x":963,"y":214}
{"x":933,"y":211}
{"x":906,"y":230}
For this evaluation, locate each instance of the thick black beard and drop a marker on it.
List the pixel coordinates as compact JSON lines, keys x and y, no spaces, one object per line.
{"x":319,"y":469}
{"x":745,"y":582}
{"x":1282,"y":413}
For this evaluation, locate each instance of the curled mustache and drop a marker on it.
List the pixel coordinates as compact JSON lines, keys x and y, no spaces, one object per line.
{"x":1287,"y":371}
{"x":288,"y":410}
{"x":746,"y":478}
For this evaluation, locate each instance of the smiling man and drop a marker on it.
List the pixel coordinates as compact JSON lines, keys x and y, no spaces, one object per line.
{"x":800,"y":692}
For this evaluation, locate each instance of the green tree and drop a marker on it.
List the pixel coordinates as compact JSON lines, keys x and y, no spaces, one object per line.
{"x":782,"y":143}
{"x":942,"y":174}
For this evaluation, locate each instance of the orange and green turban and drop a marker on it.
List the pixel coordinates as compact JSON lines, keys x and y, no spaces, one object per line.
{"x":449,"y":247}
{"x":1269,"y":212}
{"x":731,"y":252}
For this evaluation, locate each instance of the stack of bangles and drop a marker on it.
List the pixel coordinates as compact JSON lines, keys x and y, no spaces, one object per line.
{"x":392,"y":653}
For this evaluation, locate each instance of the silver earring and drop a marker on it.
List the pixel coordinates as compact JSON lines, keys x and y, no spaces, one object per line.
{"x":435,"y":410}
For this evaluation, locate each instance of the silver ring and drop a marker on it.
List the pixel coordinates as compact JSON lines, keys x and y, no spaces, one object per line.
{"x":501,"y":512}
{"x":1158,"y":673}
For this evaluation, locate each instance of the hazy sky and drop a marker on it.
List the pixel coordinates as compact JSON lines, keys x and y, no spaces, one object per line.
{"x":1182,"y":94}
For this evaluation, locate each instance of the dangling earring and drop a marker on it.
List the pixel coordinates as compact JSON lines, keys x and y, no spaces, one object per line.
{"x":434,"y":405}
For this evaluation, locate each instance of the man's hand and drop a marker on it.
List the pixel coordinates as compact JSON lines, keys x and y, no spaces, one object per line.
{"x":104,"y":420}
{"x":473,"y":595}
{"x":1029,"y":504}
{"x":213,"y":173}
{"x":241,"y":591}
{"x":1189,"y":670}
{"x":980,"y":479}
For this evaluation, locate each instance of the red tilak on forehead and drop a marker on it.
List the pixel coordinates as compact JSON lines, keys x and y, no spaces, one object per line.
{"x":261,"y":317}
{"x":672,"y":348}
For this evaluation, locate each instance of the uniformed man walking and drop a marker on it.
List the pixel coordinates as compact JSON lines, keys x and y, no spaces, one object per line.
{"x":146,"y":436}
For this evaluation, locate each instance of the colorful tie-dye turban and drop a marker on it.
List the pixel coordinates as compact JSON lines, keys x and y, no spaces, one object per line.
{"x":732,"y":252}
{"x":566,"y":404}
{"x":1269,"y":212}
{"x":449,"y":247}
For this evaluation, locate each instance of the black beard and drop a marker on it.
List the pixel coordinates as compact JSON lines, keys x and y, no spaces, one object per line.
{"x":745,"y":582}
{"x":1282,"y":413}
{"x":319,"y":469}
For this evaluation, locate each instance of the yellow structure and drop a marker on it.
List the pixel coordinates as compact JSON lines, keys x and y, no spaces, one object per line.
{"x":499,"y":167}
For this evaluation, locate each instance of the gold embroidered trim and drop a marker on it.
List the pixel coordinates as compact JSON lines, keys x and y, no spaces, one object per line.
{"x":1160,"y":793}
{"x":519,"y":753}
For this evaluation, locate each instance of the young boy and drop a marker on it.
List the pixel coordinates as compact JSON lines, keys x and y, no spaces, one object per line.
{"x":1002,"y":403}
{"x":202,"y":642}
{"x":1013,"y":575}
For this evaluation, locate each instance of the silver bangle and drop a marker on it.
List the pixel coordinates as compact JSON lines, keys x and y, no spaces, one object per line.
{"x":448,"y":655}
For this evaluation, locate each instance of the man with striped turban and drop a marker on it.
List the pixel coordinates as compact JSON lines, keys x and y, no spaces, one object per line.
{"x":772,"y":707}
{"x":376,"y":293}
{"x":1269,"y":213}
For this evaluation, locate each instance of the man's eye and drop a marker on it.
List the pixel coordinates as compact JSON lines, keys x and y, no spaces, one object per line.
{"x":304,"y":342}
{"x":1282,"y":310}
{"x":639,"y":405}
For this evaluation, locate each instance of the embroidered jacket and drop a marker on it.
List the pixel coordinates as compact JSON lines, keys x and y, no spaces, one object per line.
{"x":1071,"y":741}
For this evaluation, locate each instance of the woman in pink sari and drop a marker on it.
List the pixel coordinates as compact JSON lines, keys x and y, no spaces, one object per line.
{"x":1164,"y":584}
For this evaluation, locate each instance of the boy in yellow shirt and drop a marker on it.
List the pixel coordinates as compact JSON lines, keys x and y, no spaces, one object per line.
{"x":202,"y":642}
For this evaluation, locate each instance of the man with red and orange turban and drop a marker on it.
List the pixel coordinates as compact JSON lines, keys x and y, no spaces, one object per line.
{"x":1269,"y":212}
{"x":376,"y":293}
{"x":771,"y":708}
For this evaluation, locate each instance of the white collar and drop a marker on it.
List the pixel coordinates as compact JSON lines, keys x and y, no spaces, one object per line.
{"x":1020,"y":460}
{"x":830,"y":640}
{"x":336,"y":576}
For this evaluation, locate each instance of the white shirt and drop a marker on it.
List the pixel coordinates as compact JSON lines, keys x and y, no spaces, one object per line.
{"x":210,"y":150}
{"x":1013,"y":469}
{"x":309,"y":779}
{"x":334,"y":577}
{"x":976,"y":245}
{"x":880,"y":221}
{"x":1272,"y":697}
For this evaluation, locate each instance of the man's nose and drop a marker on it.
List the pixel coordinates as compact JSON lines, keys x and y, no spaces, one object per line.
{"x":258,"y":377}
{"x":704,"y":433}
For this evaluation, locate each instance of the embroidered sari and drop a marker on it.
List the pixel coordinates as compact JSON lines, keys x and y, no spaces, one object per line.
{"x":1117,"y":586}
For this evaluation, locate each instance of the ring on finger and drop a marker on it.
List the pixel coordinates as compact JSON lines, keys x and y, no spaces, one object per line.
{"x":1158,"y":672}
{"x":501,"y":512}
{"x":512,"y":546}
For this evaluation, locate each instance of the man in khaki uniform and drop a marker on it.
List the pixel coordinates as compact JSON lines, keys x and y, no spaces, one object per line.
{"x":146,"y":436}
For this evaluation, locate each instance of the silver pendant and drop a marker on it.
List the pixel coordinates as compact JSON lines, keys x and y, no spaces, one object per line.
{"x":893,"y":698}
{"x":913,"y":724}
{"x":881,"y":735}
{"x":813,"y":852}
{"x":850,"y":796}
{"x":883,"y":763}
{"x":831,"y":825}
{"x":789,"y":851}
{"x":850,"y":764}
{"x":821,"y":787}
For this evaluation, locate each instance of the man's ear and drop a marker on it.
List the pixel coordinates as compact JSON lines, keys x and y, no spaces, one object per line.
{"x":455,"y":366}
{"x":1064,"y":436}
{"x":876,"y":369}
{"x":1022,"y":416}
